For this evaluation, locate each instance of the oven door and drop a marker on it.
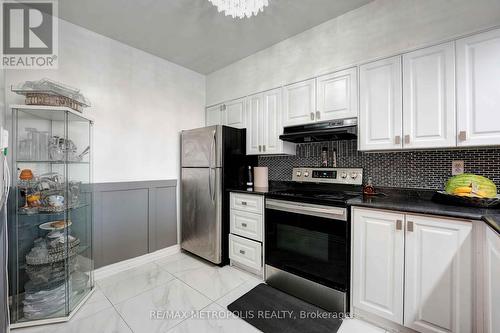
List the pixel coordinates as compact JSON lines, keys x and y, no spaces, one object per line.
{"x":310,"y":241}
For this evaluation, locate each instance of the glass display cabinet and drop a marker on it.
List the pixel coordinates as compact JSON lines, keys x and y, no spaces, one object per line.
{"x":50,"y":214}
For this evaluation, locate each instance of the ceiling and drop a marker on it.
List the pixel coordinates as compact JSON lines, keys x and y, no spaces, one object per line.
{"x":192,"y":33}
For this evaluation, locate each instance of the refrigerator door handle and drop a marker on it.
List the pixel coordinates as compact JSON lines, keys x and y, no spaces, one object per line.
{"x":211,"y":188}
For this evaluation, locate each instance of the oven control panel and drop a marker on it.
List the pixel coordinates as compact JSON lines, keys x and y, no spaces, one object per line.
{"x":351,"y":176}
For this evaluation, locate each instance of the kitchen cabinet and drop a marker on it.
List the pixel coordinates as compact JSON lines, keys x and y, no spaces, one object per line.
{"x":429,"y":97}
{"x":491,"y":285}
{"x":213,"y":115}
{"x":234,"y":113}
{"x":413,"y":270}
{"x":299,"y":103}
{"x":478,"y":93}
{"x":337,"y":95}
{"x":246,"y":231}
{"x":381,"y":109}
{"x":264,"y":114}
{"x":438,"y":275}
{"x":378,"y":256}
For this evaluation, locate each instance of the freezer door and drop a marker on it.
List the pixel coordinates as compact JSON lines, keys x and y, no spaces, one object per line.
{"x":201,"y":230}
{"x":201,"y":147}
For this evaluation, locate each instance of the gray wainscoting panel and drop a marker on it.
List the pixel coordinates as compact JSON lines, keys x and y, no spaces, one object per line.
{"x":133,"y":218}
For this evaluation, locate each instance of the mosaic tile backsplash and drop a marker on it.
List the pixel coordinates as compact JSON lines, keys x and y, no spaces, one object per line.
{"x":410,"y":169}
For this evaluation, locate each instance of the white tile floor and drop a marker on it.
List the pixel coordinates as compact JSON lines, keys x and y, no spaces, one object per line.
{"x":123,"y":302}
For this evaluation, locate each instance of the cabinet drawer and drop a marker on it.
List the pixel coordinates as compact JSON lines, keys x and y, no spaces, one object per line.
{"x":246,"y":224}
{"x":247,"y":202}
{"x":245,"y":251}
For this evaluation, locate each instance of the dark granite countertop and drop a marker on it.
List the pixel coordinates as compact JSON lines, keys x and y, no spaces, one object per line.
{"x":421,"y":202}
{"x":250,"y":190}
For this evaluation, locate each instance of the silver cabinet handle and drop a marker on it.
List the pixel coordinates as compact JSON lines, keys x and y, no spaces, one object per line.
{"x":243,"y":203}
{"x":242,"y":252}
{"x":397,"y":139}
{"x":318,"y":115}
{"x":244,"y":225}
{"x":312,"y":115}
{"x":409,"y":226}
{"x":260,"y":148}
{"x":407,"y":139}
{"x":399,"y":225}
{"x":264,"y":148}
{"x":462,"y":136}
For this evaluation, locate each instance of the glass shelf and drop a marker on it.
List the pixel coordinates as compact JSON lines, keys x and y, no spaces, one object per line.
{"x":43,"y":135}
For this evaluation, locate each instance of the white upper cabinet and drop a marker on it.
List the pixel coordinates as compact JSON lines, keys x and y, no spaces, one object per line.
{"x":299,"y":101}
{"x":429,"y":97}
{"x":265,"y":124}
{"x":337,"y":95}
{"x":478,"y":89}
{"x":213,"y":115}
{"x":380,"y":115}
{"x":378,"y":254}
{"x":438,"y":275}
{"x":234,"y":113}
{"x":254,"y":121}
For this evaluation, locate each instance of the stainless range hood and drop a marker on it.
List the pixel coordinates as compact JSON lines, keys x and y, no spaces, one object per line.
{"x":333,"y":130}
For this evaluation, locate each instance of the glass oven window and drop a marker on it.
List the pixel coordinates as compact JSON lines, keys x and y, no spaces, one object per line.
{"x":313,"y":247}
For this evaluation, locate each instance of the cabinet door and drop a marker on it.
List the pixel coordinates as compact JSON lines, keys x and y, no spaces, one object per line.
{"x":378,"y":254}
{"x":438,"y":275}
{"x":478,"y":89}
{"x":213,"y":115}
{"x":272,"y":125}
{"x":337,"y":95}
{"x":491,"y":285}
{"x":299,"y":101}
{"x":380,"y":116}
{"x":254,"y":130}
{"x":234,"y":113}
{"x":429,"y":97}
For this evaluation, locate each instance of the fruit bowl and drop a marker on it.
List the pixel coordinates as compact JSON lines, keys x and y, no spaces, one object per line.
{"x":456,"y":200}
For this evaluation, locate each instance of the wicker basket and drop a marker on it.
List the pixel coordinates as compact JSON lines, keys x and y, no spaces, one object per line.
{"x":53,"y":100}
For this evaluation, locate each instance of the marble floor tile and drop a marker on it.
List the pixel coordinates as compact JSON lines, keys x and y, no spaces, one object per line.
{"x":214,"y":282}
{"x":105,"y":321}
{"x":175,"y":298}
{"x":236,"y":293}
{"x":132,"y":282}
{"x":181,"y":262}
{"x":214,"y":319}
{"x":358,"y":326}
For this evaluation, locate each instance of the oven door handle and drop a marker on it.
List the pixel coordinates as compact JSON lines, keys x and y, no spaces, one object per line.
{"x":308,"y":209}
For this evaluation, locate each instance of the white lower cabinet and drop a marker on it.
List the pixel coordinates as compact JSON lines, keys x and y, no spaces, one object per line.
{"x":438,"y":275}
{"x":413,"y":270}
{"x":491,"y":281}
{"x":378,"y":263}
{"x":246,"y":240}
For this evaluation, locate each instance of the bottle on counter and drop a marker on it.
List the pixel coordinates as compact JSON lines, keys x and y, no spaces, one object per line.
{"x":368,"y":189}
{"x":324,"y":157}
{"x":250,"y":177}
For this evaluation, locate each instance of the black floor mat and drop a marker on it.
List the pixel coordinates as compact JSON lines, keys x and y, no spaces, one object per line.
{"x":271,"y":311}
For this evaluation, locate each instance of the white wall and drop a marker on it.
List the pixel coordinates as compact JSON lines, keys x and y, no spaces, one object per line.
{"x":140,"y":103}
{"x":378,"y":29}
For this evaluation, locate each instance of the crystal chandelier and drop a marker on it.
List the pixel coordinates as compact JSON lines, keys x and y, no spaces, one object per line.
{"x":240,"y":8}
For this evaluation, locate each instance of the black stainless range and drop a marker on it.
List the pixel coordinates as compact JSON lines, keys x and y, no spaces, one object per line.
{"x":307,"y":234}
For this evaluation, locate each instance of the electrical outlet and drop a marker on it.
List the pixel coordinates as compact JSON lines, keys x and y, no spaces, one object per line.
{"x":457,"y":167}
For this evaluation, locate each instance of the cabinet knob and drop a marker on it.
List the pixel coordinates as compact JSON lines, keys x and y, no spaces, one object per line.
{"x":264,"y":148}
{"x":462,"y":136}
{"x":407,"y":139}
{"x":312,"y":115}
{"x":397,"y":140}
{"x":242,"y":252}
{"x":243,"y":203}
{"x":244,"y":225}
{"x":260,"y":148}
{"x":318,"y":115}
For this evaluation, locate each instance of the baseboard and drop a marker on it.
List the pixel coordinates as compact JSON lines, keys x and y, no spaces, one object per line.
{"x":121,"y":266}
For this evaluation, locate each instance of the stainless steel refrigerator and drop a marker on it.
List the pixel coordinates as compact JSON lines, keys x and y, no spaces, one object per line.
{"x":212,"y":160}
